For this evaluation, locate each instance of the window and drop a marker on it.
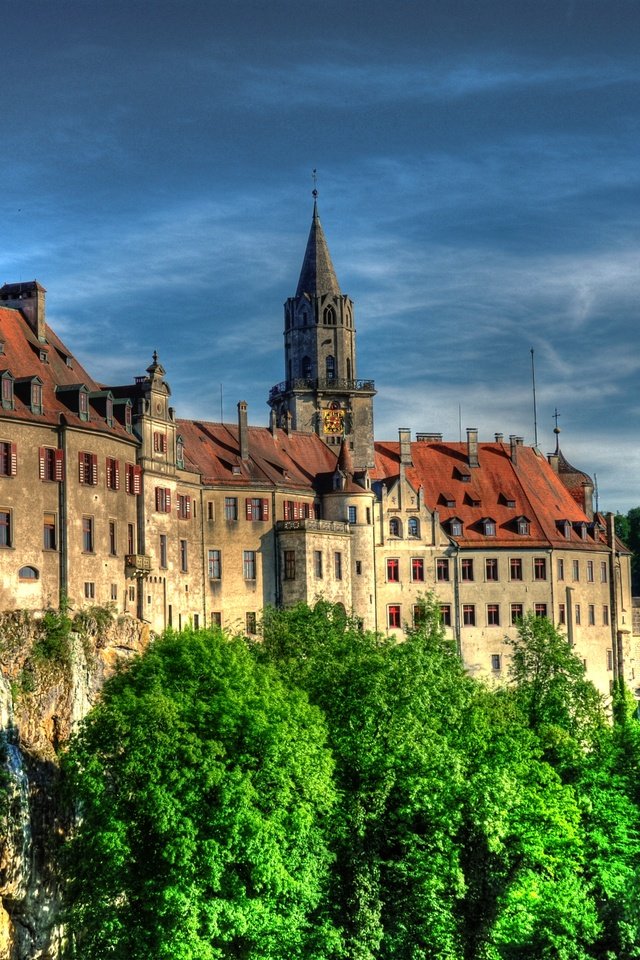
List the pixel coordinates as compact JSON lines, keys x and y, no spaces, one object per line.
{"x":36,"y":396}
{"x":330,"y":367}
{"x":292,"y":510}
{"x":337,"y":565}
{"x":5,"y":529}
{"x":231,"y":508}
{"x":88,"y":468}
{"x":184,"y":506}
{"x":562,"y":614}
{"x":393,"y":616}
{"x":352,"y":514}
{"x":469,"y":615}
{"x":466,"y":569}
{"x":590,"y":571}
{"x":540,"y":569}
{"x":575,"y":567}
{"x":163,"y":500}
{"x":418,"y":614}
{"x":257,"y":508}
{"x":445,"y":614}
{"x":489,"y":527}
{"x":395,"y":528}
{"x":317,"y":563}
{"x":211,"y":510}
{"x":87,"y":534}
{"x":578,"y":614}
{"x":603,"y":571}
{"x":131,"y":538}
{"x":113,"y":474}
{"x":540,"y":609}
{"x":89,"y":590}
{"x":216,"y":618}
{"x":329,"y":316}
{"x":493,"y":614}
{"x":8,"y":459}
{"x":496,"y":662}
{"x":413,"y":527}
{"x":605,"y":616}
{"x":393,"y":570}
{"x":491,"y":568}
{"x":515,"y":568}
{"x":517,"y":613}
{"x":49,"y":540}
{"x":184,"y":556}
{"x":417,"y":569}
{"x":250,"y":621}
{"x":114,"y":591}
{"x":159,"y":442}
{"x":133,"y":478}
{"x":609,"y":659}
{"x":132,"y":597}
{"x":83,"y":405}
{"x":113,"y":538}
{"x":523,"y":526}
{"x":560,"y":569}
{"x":28,"y":573}
{"x":215,"y":564}
{"x":442,"y":569}
{"x":249,"y":564}
{"x":163,"y":551}
{"x":359,"y":567}
{"x":7,"y":392}
{"x":289,"y":564}
{"x":455,"y":527}
{"x":369,"y":515}
{"x":51,"y":463}
{"x":305,"y":368}
{"x":591,"y":613}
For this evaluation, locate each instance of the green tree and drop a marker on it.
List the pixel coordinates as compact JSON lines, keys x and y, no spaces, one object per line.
{"x":628,"y":529}
{"x":204,"y":786}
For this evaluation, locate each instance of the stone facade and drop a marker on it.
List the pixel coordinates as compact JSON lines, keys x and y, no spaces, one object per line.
{"x":107,"y":497}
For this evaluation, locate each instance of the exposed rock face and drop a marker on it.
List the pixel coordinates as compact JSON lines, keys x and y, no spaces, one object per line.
{"x":46,"y":688}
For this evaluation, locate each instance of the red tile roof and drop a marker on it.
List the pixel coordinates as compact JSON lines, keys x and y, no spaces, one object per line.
{"x":531,"y":484}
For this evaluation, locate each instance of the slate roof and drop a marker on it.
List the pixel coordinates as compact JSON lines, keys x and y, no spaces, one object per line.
{"x":317,"y":276}
{"x":531,"y":485}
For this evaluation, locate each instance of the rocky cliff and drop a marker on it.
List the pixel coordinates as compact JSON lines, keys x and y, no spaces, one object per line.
{"x":52,"y":668}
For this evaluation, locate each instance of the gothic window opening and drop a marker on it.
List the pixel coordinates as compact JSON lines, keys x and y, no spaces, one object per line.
{"x":329,"y":316}
{"x":306,"y":368}
{"x":330,"y":364}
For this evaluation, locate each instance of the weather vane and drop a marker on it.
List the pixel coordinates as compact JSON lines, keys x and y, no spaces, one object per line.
{"x":314,"y":177}
{"x":555,"y":417}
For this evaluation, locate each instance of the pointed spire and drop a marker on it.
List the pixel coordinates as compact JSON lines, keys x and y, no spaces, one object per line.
{"x":345,"y":461}
{"x":317,"y":275}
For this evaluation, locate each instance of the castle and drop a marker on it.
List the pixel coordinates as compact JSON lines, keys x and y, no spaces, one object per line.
{"x":107,"y":497}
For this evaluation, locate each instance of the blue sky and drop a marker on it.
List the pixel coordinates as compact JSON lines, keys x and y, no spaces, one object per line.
{"x":479,"y":178}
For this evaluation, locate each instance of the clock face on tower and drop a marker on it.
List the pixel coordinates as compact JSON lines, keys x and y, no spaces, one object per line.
{"x":333,"y":419}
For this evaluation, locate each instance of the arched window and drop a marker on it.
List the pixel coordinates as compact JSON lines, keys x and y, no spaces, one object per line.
{"x":395,"y":527}
{"x":306,"y":368}
{"x":329,"y":316}
{"x":28,"y":573}
{"x":413,"y":527}
{"x":331,"y":367}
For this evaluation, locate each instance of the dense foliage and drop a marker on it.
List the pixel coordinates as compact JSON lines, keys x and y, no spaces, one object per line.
{"x":628,"y":529}
{"x":408,"y":812}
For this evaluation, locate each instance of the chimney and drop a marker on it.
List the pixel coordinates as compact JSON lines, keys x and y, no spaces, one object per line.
{"x":288,"y":420}
{"x":30,"y":299}
{"x":472,"y":447}
{"x":499,"y":437}
{"x":554,"y":461}
{"x":273,"y":422}
{"x":243,"y":433}
{"x":404,"y":436}
{"x":515,"y":443}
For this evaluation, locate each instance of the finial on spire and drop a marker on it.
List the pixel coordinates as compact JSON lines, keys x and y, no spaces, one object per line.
{"x":556,"y":429}
{"x":155,"y":356}
{"x":314,"y":177}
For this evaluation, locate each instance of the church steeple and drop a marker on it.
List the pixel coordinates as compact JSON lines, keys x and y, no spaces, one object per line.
{"x":321,"y":393}
{"x":317,"y":276}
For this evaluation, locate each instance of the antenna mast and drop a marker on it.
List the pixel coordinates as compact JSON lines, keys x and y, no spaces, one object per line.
{"x":535,"y":412}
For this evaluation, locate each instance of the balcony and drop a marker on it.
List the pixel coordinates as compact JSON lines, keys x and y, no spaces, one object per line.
{"x":337,"y":384}
{"x":314,"y":526}
{"x":137,"y":565}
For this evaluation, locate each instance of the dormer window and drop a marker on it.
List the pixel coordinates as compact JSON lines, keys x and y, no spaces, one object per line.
{"x":36,"y":396}
{"x":109,"y":411}
{"x":127,"y":417}
{"x":83,"y":405}
{"x":1,"y":347}
{"x":507,"y":500}
{"x":44,"y":358}
{"x":455,"y":527}
{"x":565,"y":528}
{"x":523,"y":526}
{"x":488,"y":526}
{"x":581,"y":530}
{"x":463,"y":475}
{"x":7,"y":390}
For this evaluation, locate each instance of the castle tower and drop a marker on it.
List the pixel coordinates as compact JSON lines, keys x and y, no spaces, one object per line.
{"x":321,"y":391}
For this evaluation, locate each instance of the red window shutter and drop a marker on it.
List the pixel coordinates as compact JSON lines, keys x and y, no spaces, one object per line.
{"x":265,"y":509}
{"x":94,"y":468}
{"x":81,"y":468}
{"x":116,"y":474}
{"x":167,"y":500}
{"x":187,"y":506}
{"x":287,"y":510}
{"x":13,"y":460}
{"x":156,"y":442}
{"x":41,"y":462}
{"x":158,"y":497}
{"x":59,"y":465}
{"x":137,"y":479}
{"x":248,"y":509}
